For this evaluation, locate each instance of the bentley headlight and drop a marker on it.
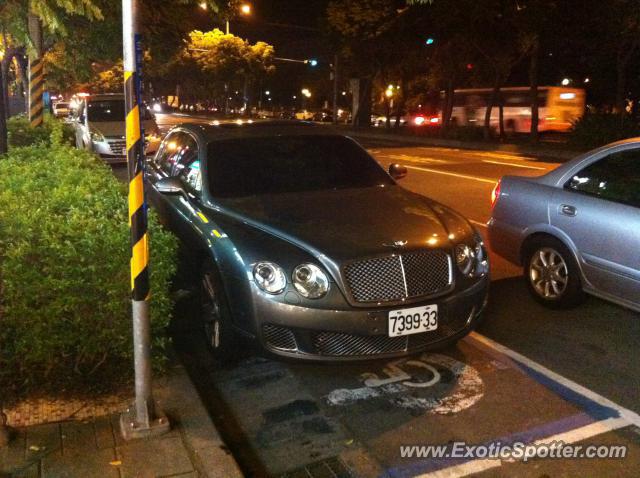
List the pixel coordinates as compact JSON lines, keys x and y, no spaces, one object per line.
{"x":472,"y":260}
{"x":310,"y":281}
{"x":464,"y":258}
{"x":270,"y":277}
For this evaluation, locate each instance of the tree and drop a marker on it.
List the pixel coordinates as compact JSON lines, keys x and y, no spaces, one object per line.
{"x":358,"y":27}
{"x":217,"y":59}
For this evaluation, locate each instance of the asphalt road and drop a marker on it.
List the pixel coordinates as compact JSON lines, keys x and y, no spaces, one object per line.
{"x":281,"y":418}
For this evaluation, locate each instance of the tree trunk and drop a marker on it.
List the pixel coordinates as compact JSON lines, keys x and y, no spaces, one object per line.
{"x":492,"y":100}
{"x":501,"y":116}
{"x":621,"y":70}
{"x":3,"y":116}
{"x":402,"y":99}
{"x":363,"y":116}
{"x":533,"y":83}
{"x":447,"y":108}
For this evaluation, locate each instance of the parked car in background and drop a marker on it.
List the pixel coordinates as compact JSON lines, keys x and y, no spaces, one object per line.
{"x":61,"y":109}
{"x":300,"y":241}
{"x":576,"y":229}
{"x":100,"y":127}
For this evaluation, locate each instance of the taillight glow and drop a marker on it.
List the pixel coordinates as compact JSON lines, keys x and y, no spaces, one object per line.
{"x":495,"y":194}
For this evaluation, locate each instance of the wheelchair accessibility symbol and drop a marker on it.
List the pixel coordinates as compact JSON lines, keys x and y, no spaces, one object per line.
{"x":435,"y":383}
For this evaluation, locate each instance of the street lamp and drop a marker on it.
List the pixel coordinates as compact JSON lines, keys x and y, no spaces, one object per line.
{"x":565,"y":81}
{"x":245,"y":9}
{"x":306,"y":92}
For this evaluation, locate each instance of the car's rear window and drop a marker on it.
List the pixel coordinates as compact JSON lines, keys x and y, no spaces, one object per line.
{"x":106,"y":110}
{"x":285,"y":164}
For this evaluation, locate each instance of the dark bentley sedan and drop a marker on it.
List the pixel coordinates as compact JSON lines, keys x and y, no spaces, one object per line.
{"x":305,"y":244}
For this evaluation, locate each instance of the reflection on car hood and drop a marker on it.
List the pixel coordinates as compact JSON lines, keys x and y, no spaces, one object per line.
{"x":350,"y":223}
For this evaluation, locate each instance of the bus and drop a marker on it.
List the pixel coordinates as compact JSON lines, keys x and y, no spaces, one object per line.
{"x":559,"y":108}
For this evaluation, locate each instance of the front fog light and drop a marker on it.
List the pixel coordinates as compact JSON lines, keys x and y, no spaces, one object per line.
{"x":269,"y":277}
{"x":310,"y":281}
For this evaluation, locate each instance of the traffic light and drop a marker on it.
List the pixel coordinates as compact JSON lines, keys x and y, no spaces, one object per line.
{"x":430,"y":41}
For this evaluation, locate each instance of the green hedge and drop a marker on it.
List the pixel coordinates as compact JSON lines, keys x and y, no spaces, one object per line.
{"x":598,"y":129}
{"x":22,"y":134}
{"x":64,"y":274}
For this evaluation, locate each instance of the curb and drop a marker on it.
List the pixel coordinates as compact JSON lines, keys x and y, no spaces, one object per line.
{"x":210,"y":456}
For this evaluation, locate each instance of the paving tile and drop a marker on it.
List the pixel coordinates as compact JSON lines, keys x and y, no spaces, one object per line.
{"x":42,"y":440}
{"x":12,"y":456}
{"x":78,"y":437}
{"x":152,"y":458}
{"x":104,"y":433}
{"x":32,"y":471}
{"x":78,"y":464}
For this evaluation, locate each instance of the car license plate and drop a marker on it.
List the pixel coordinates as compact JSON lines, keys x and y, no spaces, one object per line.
{"x":413,"y":321}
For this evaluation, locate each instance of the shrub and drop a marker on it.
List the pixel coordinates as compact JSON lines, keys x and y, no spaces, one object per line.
{"x":52,"y":131}
{"x":597,"y":129}
{"x":64,"y":274}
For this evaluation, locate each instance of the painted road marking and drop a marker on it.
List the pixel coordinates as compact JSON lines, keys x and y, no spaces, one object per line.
{"x":463,"y":176}
{"x":418,"y":159}
{"x":600,"y":415}
{"x":513,"y":165}
{"x":632,"y":417}
{"x":403,"y":390}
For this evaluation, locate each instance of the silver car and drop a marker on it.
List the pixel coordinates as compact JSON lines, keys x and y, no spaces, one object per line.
{"x":575,"y":230}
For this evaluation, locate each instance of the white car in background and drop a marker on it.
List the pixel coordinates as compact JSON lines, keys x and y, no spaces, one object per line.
{"x":100,"y":127}
{"x":61,"y":109}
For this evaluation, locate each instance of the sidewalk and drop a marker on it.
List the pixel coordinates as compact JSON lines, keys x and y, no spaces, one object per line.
{"x":94,"y":447}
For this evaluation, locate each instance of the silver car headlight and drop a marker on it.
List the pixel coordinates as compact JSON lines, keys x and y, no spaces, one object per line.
{"x":310,"y":281}
{"x":97,"y":137}
{"x":270,"y":277}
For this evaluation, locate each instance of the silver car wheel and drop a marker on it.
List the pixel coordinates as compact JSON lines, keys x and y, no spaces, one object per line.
{"x":548,"y":273}
{"x":211,"y":312}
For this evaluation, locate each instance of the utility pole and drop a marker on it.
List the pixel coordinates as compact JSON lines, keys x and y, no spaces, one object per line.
{"x":36,"y":72}
{"x":144,"y":418}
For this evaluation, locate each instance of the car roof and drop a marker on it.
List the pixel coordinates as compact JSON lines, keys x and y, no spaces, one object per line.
{"x":225,"y":130}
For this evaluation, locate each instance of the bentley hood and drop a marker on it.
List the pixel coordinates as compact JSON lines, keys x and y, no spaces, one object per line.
{"x":351,"y":223}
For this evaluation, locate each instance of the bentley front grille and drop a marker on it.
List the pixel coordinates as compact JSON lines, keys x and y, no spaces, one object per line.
{"x":340,"y":344}
{"x":279,"y":338}
{"x":399,"y":276}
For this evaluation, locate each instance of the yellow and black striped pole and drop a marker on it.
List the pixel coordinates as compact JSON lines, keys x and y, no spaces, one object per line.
{"x":36,"y":73}
{"x":36,"y":92}
{"x":144,"y":418}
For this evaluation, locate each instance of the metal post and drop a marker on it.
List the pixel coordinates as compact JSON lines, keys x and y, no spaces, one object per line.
{"x":36,"y":73}
{"x":227,"y":24}
{"x":335,"y":89}
{"x":144,"y":418}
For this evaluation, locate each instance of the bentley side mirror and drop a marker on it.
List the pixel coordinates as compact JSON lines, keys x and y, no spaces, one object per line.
{"x":397,"y":171}
{"x":169,"y":186}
